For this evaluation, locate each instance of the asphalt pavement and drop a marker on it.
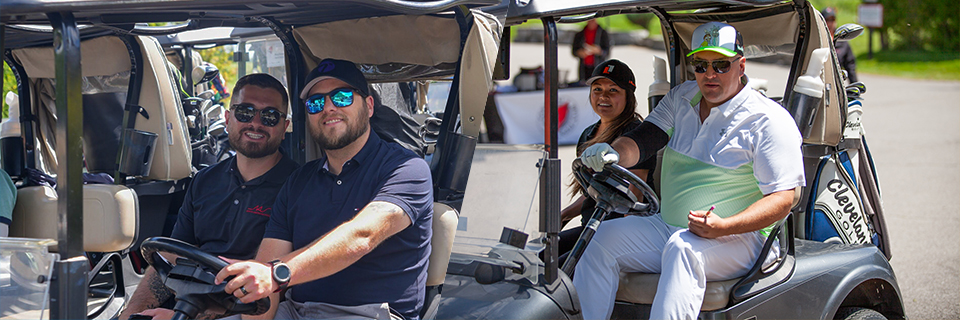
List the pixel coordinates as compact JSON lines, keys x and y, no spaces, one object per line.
{"x":912,"y":131}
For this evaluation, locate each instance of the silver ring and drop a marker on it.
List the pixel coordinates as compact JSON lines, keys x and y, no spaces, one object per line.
{"x":244,"y":290}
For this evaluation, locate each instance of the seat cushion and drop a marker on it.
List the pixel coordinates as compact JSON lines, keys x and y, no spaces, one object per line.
{"x":444,"y":229}
{"x":641,"y":287}
{"x":109,"y":216}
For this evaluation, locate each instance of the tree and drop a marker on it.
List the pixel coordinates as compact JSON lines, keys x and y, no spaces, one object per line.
{"x":9,"y":84}
{"x":923,"y":24}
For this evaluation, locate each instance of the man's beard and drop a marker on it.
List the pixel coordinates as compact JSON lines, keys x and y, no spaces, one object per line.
{"x":251,"y":149}
{"x":354,"y":131}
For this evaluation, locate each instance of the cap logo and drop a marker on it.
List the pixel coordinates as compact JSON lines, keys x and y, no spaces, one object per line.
{"x":325,"y":66}
{"x":608,"y":69}
{"x":711,"y":37}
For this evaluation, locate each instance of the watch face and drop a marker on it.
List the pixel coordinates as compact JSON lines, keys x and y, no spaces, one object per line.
{"x":281,"y":272}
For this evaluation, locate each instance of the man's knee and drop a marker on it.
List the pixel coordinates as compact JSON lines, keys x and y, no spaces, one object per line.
{"x":681,"y":243}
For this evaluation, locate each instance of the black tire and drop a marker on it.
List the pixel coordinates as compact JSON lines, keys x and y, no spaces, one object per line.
{"x":857,"y":313}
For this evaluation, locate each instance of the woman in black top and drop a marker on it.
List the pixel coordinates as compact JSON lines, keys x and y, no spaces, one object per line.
{"x":612,"y":96}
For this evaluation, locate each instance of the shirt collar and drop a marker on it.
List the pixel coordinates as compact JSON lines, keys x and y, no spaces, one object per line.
{"x":234,"y":170}
{"x":366,"y":153}
{"x":280,"y":171}
{"x":277,"y":174}
{"x":727,"y":107}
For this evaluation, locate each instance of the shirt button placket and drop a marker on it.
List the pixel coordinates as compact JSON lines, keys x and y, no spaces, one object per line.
{"x":339,"y":182}
{"x":236,"y":201}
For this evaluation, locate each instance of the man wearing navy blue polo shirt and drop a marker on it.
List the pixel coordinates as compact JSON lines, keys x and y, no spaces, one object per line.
{"x":227,"y":206}
{"x":350,"y":231}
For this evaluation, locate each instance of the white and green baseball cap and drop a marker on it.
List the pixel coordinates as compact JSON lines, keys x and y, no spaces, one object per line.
{"x":718,"y":37}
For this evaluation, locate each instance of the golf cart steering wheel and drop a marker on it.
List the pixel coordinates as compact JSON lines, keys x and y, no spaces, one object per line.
{"x":610,"y":188}
{"x":193,"y":279}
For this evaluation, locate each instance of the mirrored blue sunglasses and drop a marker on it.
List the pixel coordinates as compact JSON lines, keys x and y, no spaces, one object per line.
{"x":340,"y":97}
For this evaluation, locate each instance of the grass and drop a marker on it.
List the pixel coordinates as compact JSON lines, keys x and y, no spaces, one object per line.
{"x":916,"y":65}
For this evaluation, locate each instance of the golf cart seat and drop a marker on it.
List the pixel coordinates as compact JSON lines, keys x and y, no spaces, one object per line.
{"x":640,"y":288}
{"x":444,"y":229}
{"x":160,"y":171}
{"x":104,"y":100}
{"x":109,"y":216}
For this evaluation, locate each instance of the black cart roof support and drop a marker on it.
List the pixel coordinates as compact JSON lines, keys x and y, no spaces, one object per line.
{"x":550,"y":173}
{"x":70,"y":272}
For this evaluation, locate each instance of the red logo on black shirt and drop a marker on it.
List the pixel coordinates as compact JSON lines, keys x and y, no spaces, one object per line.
{"x":259,"y":210}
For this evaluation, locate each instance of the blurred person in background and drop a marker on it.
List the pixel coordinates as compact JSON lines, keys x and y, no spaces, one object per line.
{"x":591,"y":46}
{"x":845,"y":56}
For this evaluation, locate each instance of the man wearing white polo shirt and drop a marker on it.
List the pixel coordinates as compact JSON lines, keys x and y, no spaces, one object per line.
{"x":731,"y":168}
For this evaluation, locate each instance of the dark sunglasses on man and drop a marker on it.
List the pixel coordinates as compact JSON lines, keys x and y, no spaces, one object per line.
{"x":245,"y":112}
{"x":340,"y":97}
{"x":719,"y":66}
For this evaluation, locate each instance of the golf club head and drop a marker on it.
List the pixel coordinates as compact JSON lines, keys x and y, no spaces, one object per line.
{"x":854,"y":90}
{"x":860,"y":86}
{"x":847,"y":32}
{"x":204,"y":73}
{"x":214,"y":113}
{"x":206,"y":95}
{"x":217,"y":127}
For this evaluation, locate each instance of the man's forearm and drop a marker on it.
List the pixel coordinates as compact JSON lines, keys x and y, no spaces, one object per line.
{"x":150,"y":293}
{"x":347,"y":243}
{"x":628,"y":150}
{"x":761,"y":214}
{"x":640,"y":144}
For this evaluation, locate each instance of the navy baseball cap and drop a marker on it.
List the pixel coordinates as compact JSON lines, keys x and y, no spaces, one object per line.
{"x":616,"y":71}
{"x":343,"y":70}
{"x":828,"y":13}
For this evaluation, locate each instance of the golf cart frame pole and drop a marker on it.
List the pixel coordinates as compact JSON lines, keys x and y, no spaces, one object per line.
{"x":296,"y":74}
{"x":69,"y":282}
{"x":187,"y":74}
{"x":550,"y":172}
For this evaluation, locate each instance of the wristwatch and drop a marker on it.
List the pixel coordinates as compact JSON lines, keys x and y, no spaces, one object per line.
{"x":281,"y":274}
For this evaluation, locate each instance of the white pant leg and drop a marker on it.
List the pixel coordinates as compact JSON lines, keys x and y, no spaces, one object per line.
{"x":689,"y":261}
{"x":631,"y":244}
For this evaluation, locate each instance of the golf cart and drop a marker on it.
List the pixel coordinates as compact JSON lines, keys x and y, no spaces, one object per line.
{"x":833,"y":247}
{"x":98,"y":99}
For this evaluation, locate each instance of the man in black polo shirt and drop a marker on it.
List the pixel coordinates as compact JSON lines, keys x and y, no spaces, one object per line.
{"x":350,"y":231}
{"x":227,"y":206}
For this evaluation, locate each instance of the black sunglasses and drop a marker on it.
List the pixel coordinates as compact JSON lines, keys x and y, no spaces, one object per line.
{"x":340,"y":97}
{"x":245,"y":112}
{"x":720,"y":66}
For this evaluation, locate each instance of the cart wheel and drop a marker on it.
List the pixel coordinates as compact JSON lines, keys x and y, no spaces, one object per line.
{"x":857,"y":313}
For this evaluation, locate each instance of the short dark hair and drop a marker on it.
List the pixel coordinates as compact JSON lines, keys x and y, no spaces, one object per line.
{"x":266,"y":81}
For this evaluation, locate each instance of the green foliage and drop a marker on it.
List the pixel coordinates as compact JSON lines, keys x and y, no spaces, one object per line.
{"x":913,"y":64}
{"x":222,"y":57}
{"x":9,"y":84}
{"x":924,"y":60}
{"x":932,"y":25}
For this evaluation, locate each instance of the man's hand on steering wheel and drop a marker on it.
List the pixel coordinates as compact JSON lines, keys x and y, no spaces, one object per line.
{"x":598,"y":155}
{"x":253,"y":280}
{"x":194,"y":282}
